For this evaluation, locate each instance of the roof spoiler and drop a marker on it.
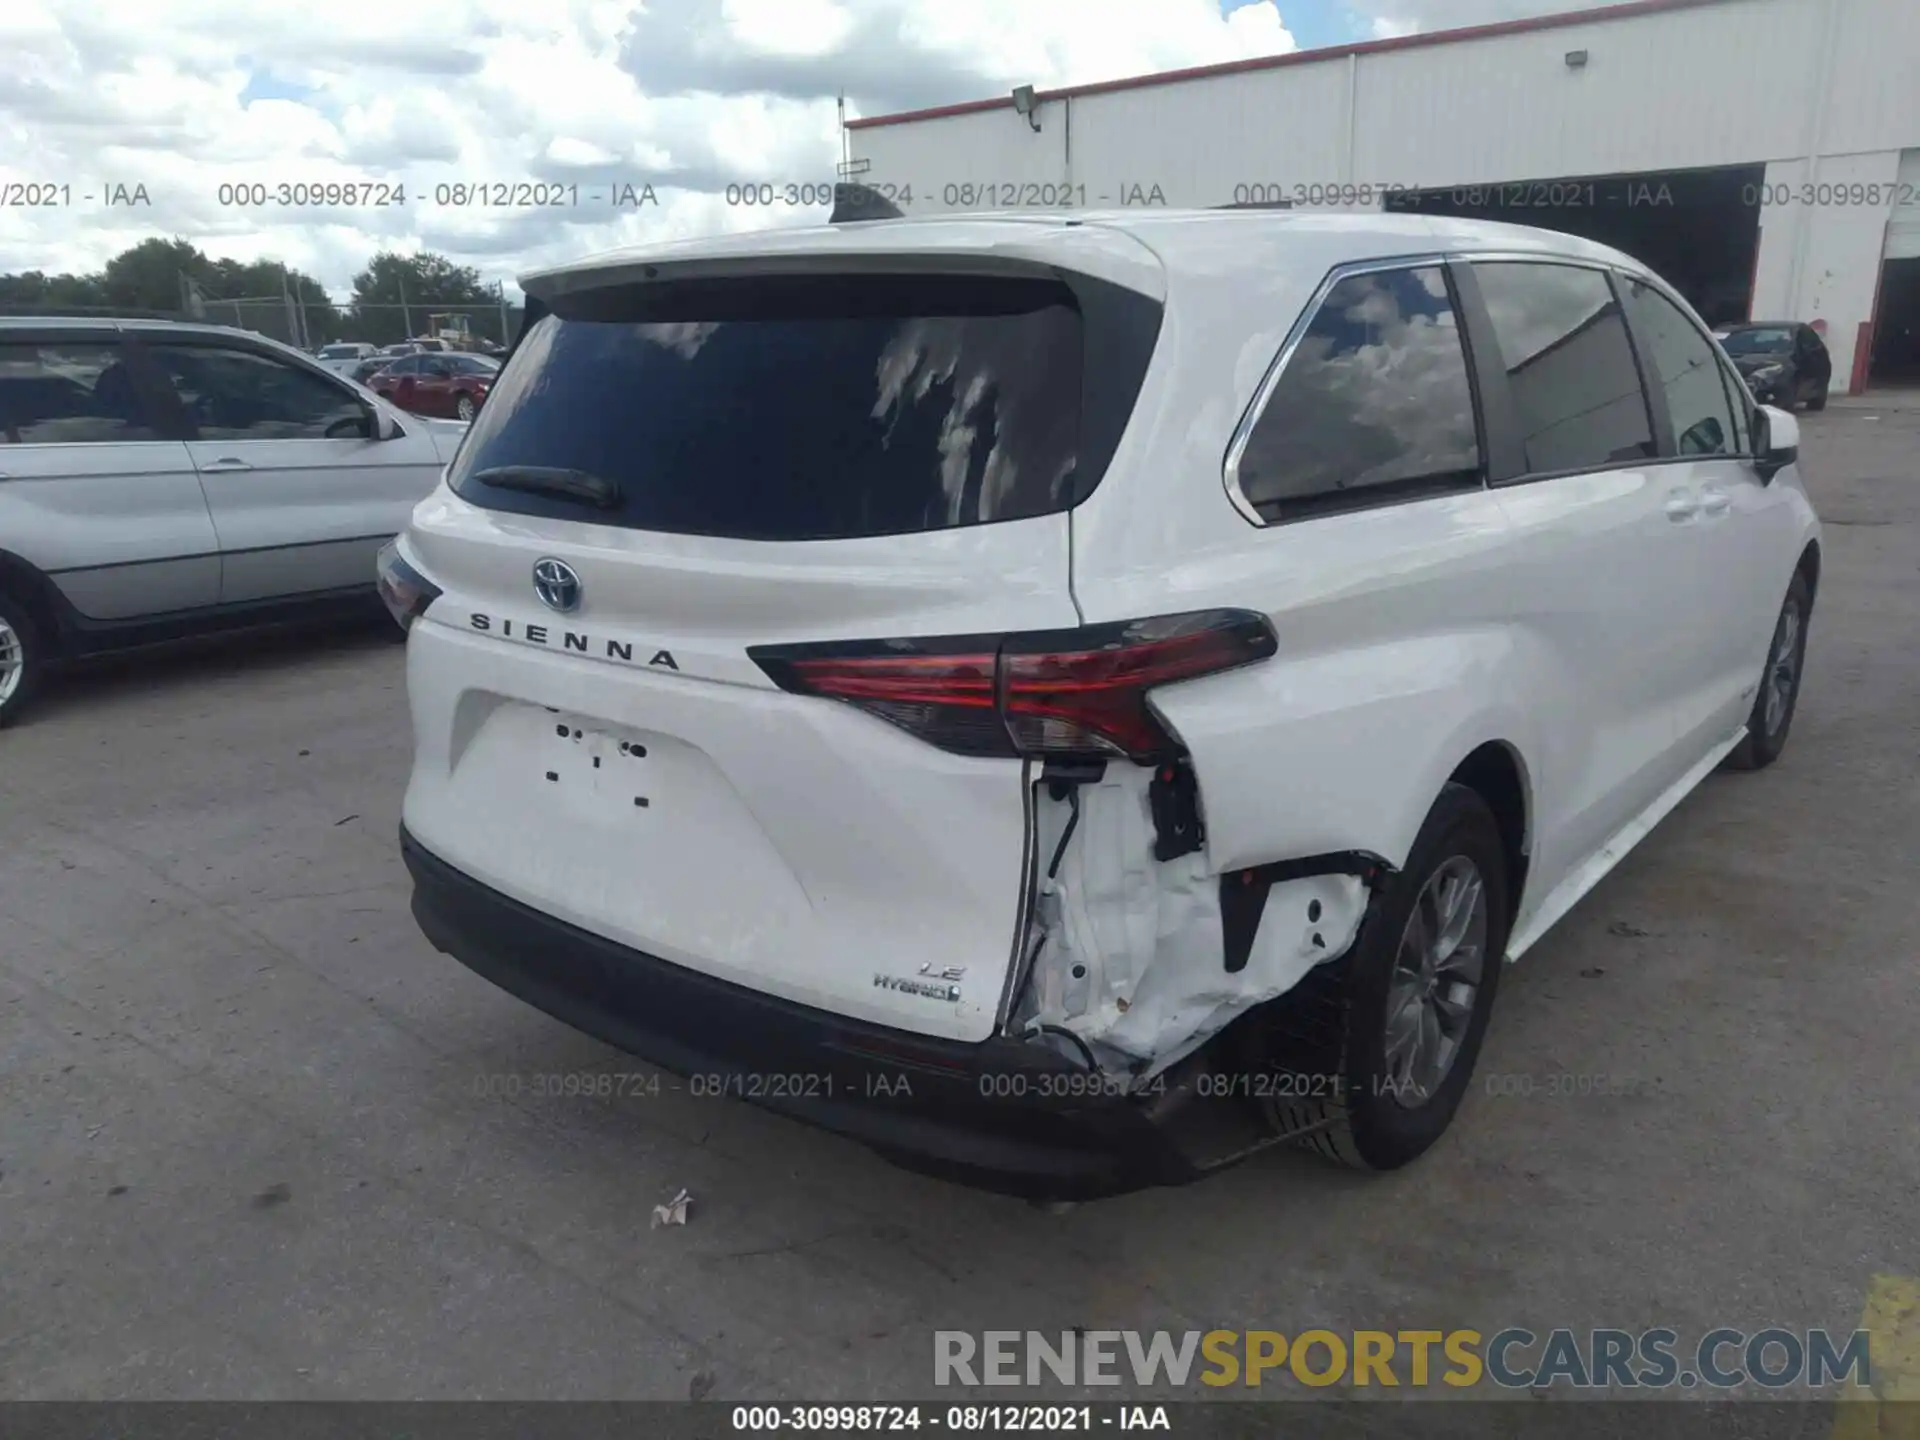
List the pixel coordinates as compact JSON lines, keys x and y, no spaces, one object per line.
{"x":854,"y":202}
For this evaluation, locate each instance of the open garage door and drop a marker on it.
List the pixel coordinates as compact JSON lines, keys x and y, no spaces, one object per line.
{"x":1700,"y":229}
{"x":1896,"y":320}
{"x":1903,"y":226}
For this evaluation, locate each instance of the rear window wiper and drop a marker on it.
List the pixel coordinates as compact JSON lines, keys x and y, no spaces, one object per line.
{"x":579,"y":485}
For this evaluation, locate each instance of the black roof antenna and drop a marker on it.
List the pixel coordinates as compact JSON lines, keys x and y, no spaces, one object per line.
{"x":853,"y":201}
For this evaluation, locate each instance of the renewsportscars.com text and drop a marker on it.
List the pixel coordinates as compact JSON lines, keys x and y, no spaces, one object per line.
{"x":1513,"y":1359}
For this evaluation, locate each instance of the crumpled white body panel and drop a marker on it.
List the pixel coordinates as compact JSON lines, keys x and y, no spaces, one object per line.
{"x":1133,"y":958}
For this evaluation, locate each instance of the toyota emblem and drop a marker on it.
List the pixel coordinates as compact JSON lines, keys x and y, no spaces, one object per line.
{"x":558,"y":587}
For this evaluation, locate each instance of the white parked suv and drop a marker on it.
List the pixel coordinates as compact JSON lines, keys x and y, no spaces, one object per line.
{"x":1071,"y":700}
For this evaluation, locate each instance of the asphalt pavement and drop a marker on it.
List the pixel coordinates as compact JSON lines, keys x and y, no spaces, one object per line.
{"x":258,"y":1140}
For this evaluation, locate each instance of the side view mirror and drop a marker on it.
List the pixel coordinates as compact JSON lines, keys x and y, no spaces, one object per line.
{"x":384,"y":426}
{"x":1776,"y":440}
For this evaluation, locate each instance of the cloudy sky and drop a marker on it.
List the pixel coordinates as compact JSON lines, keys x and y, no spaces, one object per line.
{"x":184,"y":96}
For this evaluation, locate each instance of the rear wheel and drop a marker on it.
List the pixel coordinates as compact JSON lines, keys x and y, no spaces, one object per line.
{"x":464,"y":406}
{"x":22,"y":658}
{"x":1419,"y":989}
{"x":1818,"y":400}
{"x":1773,"y":705}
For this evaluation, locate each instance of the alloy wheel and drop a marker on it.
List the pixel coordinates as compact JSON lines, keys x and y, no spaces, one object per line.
{"x":13,"y":661}
{"x":1783,"y":669}
{"x":1436,"y":979}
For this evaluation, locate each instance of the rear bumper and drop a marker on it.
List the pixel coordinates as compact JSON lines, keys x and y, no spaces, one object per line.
{"x":1002,"y":1115}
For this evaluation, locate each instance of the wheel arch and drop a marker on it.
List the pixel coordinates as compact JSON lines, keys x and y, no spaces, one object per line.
{"x":1809,"y":566}
{"x":1497,"y":773}
{"x":26,"y":583}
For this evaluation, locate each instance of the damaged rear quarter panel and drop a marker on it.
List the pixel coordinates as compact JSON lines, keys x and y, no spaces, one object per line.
{"x":1131,"y":956}
{"x":1341,"y":750}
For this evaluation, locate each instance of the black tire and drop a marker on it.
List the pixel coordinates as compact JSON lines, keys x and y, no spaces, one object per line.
{"x":1819,"y":401}
{"x":465,"y":402}
{"x":1366,"y":1122}
{"x":22,"y":644}
{"x":1765,"y":739}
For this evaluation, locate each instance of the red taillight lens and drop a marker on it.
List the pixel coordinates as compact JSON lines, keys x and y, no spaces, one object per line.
{"x":405,"y":591}
{"x":1052,"y":692}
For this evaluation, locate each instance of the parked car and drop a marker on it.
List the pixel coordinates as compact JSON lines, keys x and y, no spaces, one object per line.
{"x":449,"y":385}
{"x":158,"y":479}
{"x":346,"y":357}
{"x":1783,"y":363}
{"x":1073,"y":724}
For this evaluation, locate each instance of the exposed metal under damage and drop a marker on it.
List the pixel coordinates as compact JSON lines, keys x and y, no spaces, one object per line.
{"x":1130,"y":964}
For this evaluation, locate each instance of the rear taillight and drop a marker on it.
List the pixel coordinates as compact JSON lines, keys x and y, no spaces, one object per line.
{"x":405,"y":590}
{"x":1035,"y":692}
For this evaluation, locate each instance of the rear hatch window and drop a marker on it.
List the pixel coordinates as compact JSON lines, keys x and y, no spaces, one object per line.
{"x":812,"y":407}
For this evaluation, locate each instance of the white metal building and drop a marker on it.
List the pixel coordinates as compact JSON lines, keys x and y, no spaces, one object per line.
{"x":1763,"y":154}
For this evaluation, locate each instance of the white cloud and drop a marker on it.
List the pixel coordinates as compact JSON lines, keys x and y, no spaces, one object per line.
{"x":1389,"y":18}
{"x":688,"y":95}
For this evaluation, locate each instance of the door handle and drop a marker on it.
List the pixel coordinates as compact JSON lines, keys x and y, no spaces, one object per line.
{"x":226,"y":464}
{"x":1681,"y":505}
{"x":1715,"y":502}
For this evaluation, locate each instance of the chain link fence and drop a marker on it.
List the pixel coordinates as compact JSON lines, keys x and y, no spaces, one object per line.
{"x":309,"y":325}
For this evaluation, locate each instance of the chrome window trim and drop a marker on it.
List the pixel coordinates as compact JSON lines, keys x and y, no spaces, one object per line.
{"x":1269,"y":382}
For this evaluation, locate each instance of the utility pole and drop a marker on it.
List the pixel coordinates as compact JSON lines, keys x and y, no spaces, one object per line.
{"x":406,"y":313}
{"x":296,"y":317}
{"x":500,"y":292}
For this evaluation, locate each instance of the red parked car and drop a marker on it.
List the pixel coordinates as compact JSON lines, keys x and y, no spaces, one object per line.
{"x":448,"y":384}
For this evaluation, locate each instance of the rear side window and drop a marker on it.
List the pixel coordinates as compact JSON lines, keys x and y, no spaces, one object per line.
{"x":813,"y":408}
{"x":54,"y":394}
{"x":1564,"y":346}
{"x":1681,"y":360}
{"x":1374,"y":402}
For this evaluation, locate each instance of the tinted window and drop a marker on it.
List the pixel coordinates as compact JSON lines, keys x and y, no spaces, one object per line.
{"x":791,"y":409}
{"x":67,"y":394}
{"x":1683,"y":362}
{"x":241,"y":395}
{"x":435,"y":365}
{"x":1564,"y":346}
{"x":473,"y":365}
{"x":406,"y":365}
{"x":1374,"y":398}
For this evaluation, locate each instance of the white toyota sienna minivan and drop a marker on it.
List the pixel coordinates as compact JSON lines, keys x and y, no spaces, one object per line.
{"x":1071,"y":700}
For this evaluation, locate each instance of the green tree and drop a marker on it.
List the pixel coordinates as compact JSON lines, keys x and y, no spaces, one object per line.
{"x":147,"y":276}
{"x":35,"y":291}
{"x":422,"y":284}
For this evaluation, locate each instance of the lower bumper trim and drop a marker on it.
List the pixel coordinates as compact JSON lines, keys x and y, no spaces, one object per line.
{"x":1002,"y":1115}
